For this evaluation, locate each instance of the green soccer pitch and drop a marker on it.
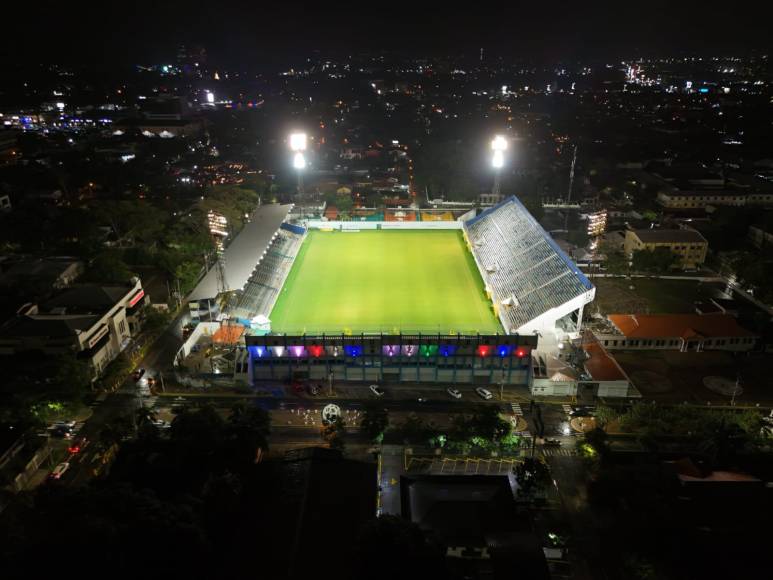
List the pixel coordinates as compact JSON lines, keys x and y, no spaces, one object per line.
{"x":406,"y":281}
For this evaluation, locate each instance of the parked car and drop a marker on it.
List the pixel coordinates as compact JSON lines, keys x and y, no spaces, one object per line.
{"x":547,"y":442}
{"x":455,"y":393}
{"x":484,"y":393}
{"x":59,"y":470}
{"x":376,"y":390}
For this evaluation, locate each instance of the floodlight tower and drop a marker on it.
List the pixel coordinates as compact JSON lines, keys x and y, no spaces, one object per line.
{"x":498,"y":146}
{"x":298,"y":146}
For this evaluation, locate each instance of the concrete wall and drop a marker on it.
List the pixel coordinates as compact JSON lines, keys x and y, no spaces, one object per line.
{"x":365,"y":225}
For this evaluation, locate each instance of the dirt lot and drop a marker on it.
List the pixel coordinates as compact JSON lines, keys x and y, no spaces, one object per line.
{"x":650,"y":295}
{"x":674,"y":377}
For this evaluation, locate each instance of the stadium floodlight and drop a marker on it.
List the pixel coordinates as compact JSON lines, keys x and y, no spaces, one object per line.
{"x":498,"y":146}
{"x":499,"y":143}
{"x":299,"y":161}
{"x":298,"y":141}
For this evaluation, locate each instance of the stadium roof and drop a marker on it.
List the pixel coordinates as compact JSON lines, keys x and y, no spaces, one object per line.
{"x":245,"y":250}
{"x":522,"y":265}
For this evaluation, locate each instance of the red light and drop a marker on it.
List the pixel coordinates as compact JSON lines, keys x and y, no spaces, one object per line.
{"x":316,"y":351}
{"x":74,"y":450}
{"x":484,"y":350}
{"x":520,"y":353}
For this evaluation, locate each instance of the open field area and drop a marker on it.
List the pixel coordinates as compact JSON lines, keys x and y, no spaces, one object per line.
{"x":674,"y":377}
{"x":384,"y":281}
{"x":651,"y":295}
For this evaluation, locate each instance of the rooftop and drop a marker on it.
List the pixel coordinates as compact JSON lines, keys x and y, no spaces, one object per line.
{"x":684,"y":325}
{"x":666,"y":236}
{"x":599,"y":364}
{"x":243,"y":253}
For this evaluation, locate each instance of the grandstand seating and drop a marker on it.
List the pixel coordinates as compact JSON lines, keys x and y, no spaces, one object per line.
{"x":262,"y":288}
{"x":526,"y":272}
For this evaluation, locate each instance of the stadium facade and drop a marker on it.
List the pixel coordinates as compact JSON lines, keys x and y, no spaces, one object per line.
{"x":536,"y":291}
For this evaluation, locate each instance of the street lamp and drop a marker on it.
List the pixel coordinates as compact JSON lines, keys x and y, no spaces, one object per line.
{"x":498,"y":146}
{"x":298,"y":145}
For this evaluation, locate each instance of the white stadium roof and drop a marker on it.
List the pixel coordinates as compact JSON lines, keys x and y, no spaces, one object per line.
{"x":244,"y":251}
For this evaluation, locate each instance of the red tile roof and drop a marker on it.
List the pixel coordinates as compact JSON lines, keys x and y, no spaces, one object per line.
{"x":599,"y":364}
{"x":683,"y":325}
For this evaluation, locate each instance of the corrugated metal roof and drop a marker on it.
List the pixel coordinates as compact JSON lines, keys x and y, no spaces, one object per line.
{"x":243,"y":253}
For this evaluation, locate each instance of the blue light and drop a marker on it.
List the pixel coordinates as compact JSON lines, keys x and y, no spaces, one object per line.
{"x":353,"y":350}
{"x":503,"y":350}
{"x":703,"y":90}
{"x":447,"y":349}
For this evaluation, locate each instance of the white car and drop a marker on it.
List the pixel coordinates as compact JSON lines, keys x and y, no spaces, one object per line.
{"x":455,"y":393}
{"x":376,"y":391}
{"x":484,"y":393}
{"x":59,"y":470}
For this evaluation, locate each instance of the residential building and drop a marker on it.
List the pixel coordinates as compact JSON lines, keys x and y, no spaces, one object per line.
{"x":760,"y":236}
{"x":93,"y":322}
{"x":697,"y":198}
{"x":43,"y":274}
{"x":689,"y":246}
{"x":682,"y":332}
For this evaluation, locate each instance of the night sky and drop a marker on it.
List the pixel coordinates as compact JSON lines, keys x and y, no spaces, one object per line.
{"x":244,"y":32}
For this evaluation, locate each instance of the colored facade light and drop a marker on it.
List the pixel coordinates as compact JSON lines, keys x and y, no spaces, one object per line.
{"x":521,"y":351}
{"x":297,"y":351}
{"x":427,"y":350}
{"x":391,"y":349}
{"x":503,"y":350}
{"x":316,"y":350}
{"x":484,"y":350}
{"x":409,"y":350}
{"x":257,"y":351}
{"x":353,"y":350}
{"x":447,"y":349}
{"x":279,"y":350}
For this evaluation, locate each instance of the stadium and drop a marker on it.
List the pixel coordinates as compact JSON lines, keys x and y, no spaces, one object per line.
{"x":464,"y":301}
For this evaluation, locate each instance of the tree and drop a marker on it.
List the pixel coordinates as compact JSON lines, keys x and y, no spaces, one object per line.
{"x":391,"y":547}
{"x":108,"y":267}
{"x":71,"y":378}
{"x":375,"y":421}
{"x":605,"y":415}
{"x":333,"y":432}
{"x":615,"y":261}
{"x":490,"y":426}
{"x":595,"y":446}
{"x":247,"y":432}
{"x":413,"y":430}
{"x":661,"y":259}
{"x":146,"y":427}
{"x":531,"y":474}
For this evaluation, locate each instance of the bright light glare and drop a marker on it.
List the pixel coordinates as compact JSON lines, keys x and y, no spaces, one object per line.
{"x":499,"y":143}
{"x":499,"y":159}
{"x":299,"y":161}
{"x":298,"y":141}
{"x":210,"y":97}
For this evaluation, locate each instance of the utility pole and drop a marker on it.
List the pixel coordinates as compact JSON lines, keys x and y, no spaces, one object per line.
{"x":569,"y":193}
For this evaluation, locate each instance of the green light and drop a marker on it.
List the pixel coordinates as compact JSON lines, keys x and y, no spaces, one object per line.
{"x":428,"y":350}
